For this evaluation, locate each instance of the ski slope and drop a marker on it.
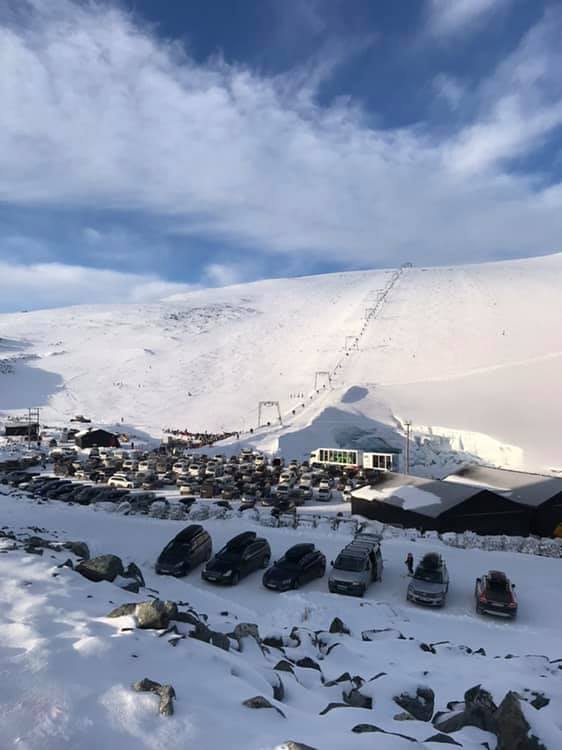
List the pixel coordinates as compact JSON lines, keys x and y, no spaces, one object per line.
{"x":472,"y":355}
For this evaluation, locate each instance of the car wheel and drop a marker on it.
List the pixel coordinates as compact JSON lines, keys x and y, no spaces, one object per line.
{"x":265,"y":561}
{"x":296,"y":583}
{"x":361,"y":593}
{"x":235,"y":578}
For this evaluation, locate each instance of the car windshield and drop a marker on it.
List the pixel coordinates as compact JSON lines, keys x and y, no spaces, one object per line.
{"x":229,"y":555}
{"x":426,"y":574}
{"x":347,"y":562}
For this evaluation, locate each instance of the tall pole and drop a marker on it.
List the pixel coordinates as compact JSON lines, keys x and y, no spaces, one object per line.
{"x":408,"y":424}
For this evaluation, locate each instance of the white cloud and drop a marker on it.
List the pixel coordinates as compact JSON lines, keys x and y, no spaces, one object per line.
{"x":449,"y":17}
{"x":221,"y":274}
{"x":25,"y":287}
{"x":98,"y":112}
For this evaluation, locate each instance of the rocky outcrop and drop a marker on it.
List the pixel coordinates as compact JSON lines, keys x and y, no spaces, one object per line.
{"x":166,"y":693}
{"x":80,"y":549}
{"x":478,"y":711}
{"x":337,"y":626}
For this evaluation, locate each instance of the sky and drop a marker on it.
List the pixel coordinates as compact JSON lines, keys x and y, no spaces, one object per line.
{"x":147,"y":148}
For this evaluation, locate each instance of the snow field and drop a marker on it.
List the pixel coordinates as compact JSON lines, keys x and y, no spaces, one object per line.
{"x":68,"y":669}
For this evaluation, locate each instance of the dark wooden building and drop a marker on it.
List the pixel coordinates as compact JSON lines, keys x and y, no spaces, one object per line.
{"x":96,"y":438}
{"x":22,"y":429}
{"x":431,"y":504}
{"x":540,"y":494}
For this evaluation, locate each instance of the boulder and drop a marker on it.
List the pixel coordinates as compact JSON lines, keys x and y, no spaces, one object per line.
{"x":220,"y":640}
{"x":166,"y":694}
{"x":480,"y":709}
{"x":101,"y":568}
{"x":292,"y":745}
{"x":278,"y":687}
{"x":258,"y":701}
{"x":155,"y":614}
{"x":512,"y":728}
{"x":356,"y":699}
{"x":337,"y":626}
{"x":134,"y":572}
{"x":80,"y":549}
{"x":362,"y":728}
{"x":284,"y":666}
{"x":245,"y":630}
{"x":124,"y":609}
{"x":420,"y":705}
{"x":307,"y":663}
{"x":331,"y":706}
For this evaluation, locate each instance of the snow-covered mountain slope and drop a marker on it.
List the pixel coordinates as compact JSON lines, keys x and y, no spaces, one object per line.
{"x":471,"y":355}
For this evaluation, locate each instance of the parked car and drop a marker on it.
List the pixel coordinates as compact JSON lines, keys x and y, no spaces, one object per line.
{"x":324,"y":494}
{"x":494,"y":595}
{"x":357,"y":566}
{"x":240,"y":556}
{"x":430,"y":582}
{"x":300,"y":564}
{"x":191,"y":547}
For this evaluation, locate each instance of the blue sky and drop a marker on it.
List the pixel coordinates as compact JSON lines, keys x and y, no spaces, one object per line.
{"x":152,"y":147}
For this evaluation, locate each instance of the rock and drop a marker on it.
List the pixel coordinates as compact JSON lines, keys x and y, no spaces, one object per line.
{"x":403,"y":716}
{"x":165,"y":692}
{"x":155,"y":614}
{"x":220,"y":640}
{"x":133,"y":571}
{"x":258,"y":701}
{"x":245,"y":630}
{"x":426,"y":647}
{"x":80,"y":549}
{"x":337,"y":626}
{"x":449,"y":721}
{"x":308,"y":663}
{"x":419,"y":706}
{"x":284,"y":666}
{"x":189,"y":617}
{"x":344,"y":677}
{"x":292,"y":745}
{"x":539,"y":701}
{"x":124,"y":609}
{"x":480,"y":709}
{"x":356,"y":699}
{"x":274,"y":641}
{"x":444,"y":739}
{"x":362,"y":728}
{"x":101,"y":568}
{"x":132,"y":587}
{"x":278,"y":687}
{"x":513,"y":730}
{"x":331,"y":706}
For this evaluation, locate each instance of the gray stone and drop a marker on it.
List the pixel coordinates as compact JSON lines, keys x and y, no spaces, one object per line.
{"x":278,"y":687}
{"x":245,"y":630}
{"x":513,"y":730}
{"x":331,"y":706}
{"x":362,"y":728}
{"x":292,"y":745}
{"x":132,"y":587}
{"x":124,"y":609}
{"x":356,"y":699}
{"x":220,"y":640}
{"x":155,"y":614}
{"x":133,"y":571}
{"x":258,"y":701}
{"x":337,"y":626}
{"x":420,"y":705}
{"x":308,"y":663}
{"x":166,"y":694}
{"x":101,"y":568}
{"x":284,"y":666}
{"x":80,"y":549}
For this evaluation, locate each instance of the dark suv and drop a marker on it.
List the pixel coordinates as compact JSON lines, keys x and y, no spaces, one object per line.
{"x":299,"y":564}
{"x":494,"y":595}
{"x":240,"y":556}
{"x":189,"y":548}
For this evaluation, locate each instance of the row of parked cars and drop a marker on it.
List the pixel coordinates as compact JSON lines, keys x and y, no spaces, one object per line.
{"x":359,"y":563}
{"x":356,"y":567}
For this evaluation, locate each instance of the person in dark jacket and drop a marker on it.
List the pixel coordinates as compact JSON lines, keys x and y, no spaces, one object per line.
{"x":410,"y":563}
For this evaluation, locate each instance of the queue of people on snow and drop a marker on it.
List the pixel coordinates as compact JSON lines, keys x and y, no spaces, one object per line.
{"x":199,"y":439}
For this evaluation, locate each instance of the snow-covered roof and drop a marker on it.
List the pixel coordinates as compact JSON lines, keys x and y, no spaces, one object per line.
{"x":429,"y":497}
{"x":522,"y":487}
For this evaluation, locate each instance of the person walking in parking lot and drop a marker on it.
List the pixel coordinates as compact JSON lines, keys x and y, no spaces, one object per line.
{"x":410,"y":563}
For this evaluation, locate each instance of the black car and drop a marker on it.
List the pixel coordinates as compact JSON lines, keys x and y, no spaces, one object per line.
{"x":494,"y":595}
{"x":299,"y":564}
{"x":240,"y":556}
{"x":189,"y":548}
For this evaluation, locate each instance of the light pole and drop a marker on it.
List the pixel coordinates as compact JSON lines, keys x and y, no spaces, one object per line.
{"x":407,"y":424}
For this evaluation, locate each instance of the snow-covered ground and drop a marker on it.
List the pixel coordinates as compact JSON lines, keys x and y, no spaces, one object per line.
{"x":471,"y":355}
{"x":67,"y":669}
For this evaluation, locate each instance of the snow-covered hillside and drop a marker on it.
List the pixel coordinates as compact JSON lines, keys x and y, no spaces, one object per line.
{"x":68,"y":668}
{"x":471,"y":355}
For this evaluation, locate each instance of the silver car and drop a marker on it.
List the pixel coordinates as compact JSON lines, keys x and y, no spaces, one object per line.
{"x":430,"y":582}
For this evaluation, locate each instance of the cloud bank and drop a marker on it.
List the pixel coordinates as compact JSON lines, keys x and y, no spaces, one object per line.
{"x":97,"y":111}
